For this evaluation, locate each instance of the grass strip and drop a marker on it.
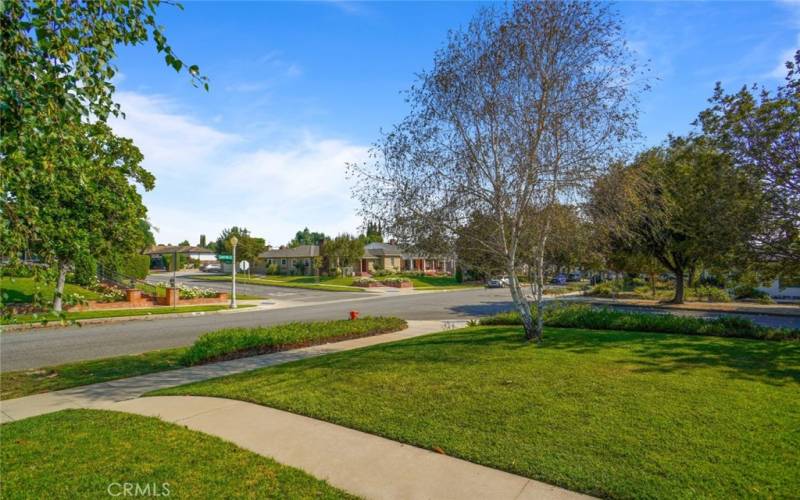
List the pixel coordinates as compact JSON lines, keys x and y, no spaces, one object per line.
{"x":112,"y":313}
{"x":224,"y":344}
{"x":90,"y":453}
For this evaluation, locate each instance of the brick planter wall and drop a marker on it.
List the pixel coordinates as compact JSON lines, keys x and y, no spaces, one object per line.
{"x":402,"y":284}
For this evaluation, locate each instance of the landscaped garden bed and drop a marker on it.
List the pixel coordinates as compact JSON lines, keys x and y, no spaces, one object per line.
{"x":608,"y":413}
{"x":584,"y":316}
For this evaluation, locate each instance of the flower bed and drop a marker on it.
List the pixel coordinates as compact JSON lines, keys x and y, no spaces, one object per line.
{"x":366,"y":282}
{"x":397,"y":282}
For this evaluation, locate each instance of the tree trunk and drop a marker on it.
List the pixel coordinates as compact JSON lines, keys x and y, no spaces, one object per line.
{"x":692,"y":273}
{"x":678,"y":299}
{"x":521,"y":304}
{"x":539,"y":299}
{"x":653,"y":283}
{"x":58,"y":296}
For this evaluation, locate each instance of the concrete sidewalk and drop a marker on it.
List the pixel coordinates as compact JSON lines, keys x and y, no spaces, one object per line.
{"x":363,"y":464}
{"x":99,"y":395}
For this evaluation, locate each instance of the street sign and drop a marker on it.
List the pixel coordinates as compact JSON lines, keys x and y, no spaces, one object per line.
{"x":244,"y":265}
{"x":226,"y":258}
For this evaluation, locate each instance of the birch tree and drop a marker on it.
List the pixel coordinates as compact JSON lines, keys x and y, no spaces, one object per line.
{"x":518,"y":112}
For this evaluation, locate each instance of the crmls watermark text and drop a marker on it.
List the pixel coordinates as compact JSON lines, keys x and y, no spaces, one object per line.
{"x":138,"y":490}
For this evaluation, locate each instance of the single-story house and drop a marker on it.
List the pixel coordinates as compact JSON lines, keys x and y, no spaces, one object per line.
{"x":392,"y":258}
{"x":156,"y":252}
{"x":783,"y":289}
{"x":295,"y":260}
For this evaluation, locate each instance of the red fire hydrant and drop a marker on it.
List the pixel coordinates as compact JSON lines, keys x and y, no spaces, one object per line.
{"x":353,"y":315}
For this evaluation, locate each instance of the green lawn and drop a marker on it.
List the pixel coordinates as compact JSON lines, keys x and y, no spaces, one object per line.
{"x":21,"y":290}
{"x":337,"y":284}
{"x":113,"y":313}
{"x":80,"y":453}
{"x":613,"y":414}
{"x":326,"y":283}
{"x":53,"y":378}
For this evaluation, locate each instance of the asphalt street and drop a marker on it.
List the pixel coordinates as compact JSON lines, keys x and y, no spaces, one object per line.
{"x":50,"y":346}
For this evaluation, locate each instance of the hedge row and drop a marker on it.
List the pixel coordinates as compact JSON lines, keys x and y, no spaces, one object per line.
{"x":584,"y":316}
{"x":239,"y":342}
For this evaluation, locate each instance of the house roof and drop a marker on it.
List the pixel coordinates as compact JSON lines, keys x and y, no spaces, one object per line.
{"x":292,"y":253}
{"x":161,"y":249}
{"x":374,"y":250}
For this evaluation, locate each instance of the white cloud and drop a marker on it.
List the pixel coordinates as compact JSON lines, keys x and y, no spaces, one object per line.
{"x":207,"y":179}
{"x":779,"y":72}
{"x":173,"y":143}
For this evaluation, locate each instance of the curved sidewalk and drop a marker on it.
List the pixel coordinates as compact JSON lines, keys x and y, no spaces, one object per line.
{"x":363,"y":464}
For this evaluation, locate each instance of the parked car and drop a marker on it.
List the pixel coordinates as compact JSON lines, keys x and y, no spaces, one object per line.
{"x":572,"y":277}
{"x":505,"y":281}
{"x":559,"y":279}
{"x":494,"y":283}
{"x":211,"y":268}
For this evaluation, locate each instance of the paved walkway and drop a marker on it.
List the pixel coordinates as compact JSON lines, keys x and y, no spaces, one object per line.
{"x":98,"y":395}
{"x":363,"y":464}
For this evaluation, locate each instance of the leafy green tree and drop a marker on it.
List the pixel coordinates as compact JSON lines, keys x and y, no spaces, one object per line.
{"x":184,"y":243}
{"x":65,"y":176}
{"x":306,"y":237}
{"x":374,"y":233}
{"x":682,"y":204}
{"x":248,"y":248}
{"x":97,"y":210}
{"x":760,"y":132}
{"x":341,"y":251}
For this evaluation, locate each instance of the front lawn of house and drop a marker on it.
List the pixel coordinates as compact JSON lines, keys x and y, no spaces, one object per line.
{"x":340,"y":283}
{"x":89,"y":453}
{"x":112,"y":313}
{"x":325,"y":284}
{"x":612,"y":414}
{"x":21,"y":290}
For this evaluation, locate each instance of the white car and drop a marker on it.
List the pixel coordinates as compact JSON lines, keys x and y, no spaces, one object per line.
{"x":211,"y":268}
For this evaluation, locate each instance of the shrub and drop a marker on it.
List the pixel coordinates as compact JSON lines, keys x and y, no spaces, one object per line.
{"x":459,"y":275}
{"x":584,"y":316}
{"x":750,"y":292}
{"x":135,"y":266}
{"x":606,"y":289}
{"x":84,"y":271}
{"x":395,"y":280}
{"x":381,"y":272}
{"x":711,"y":294}
{"x":239,"y":342}
{"x":17,"y":270}
{"x":363,"y":281}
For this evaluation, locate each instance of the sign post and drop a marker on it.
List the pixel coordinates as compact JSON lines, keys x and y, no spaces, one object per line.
{"x":234,"y":241}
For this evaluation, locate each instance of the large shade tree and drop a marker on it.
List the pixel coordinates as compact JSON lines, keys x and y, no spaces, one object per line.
{"x":518,"y":112}
{"x":760,"y":131}
{"x":56,"y":93}
{"x":683,"y":204}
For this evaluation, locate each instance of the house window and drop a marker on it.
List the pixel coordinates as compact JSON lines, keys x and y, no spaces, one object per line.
{"x":283,"y":262}
{"x":306,"y":262}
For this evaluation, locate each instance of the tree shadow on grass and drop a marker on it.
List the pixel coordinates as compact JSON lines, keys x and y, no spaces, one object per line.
{"x":774,"y":362}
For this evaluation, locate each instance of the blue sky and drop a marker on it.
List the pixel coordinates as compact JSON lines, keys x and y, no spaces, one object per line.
{"x":299,"y":89}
